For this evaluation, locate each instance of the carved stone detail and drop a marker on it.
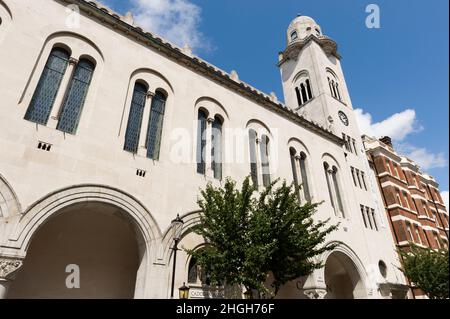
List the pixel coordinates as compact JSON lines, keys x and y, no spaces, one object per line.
{"x":315,"y":293}
{"x":8,"y":267}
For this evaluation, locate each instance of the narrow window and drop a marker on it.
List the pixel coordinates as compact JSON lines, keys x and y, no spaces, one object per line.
{"x":337,"y":190}
{"x":406,"y":200}
{"x":418,"y":235}
{"x":372,"y":211}
{"x":193,"y":271}
{"x":349,"y":143}
{"x":299,"y":98}
{"x":438,"y":242}
{"x":293,"y":154}
{"x":304,"y":95}
{"x":155,"y":125}
{"x":135,"y":118}
{"x":327,"y":176}
{"x":388,"y":166}
{"x":359,"y":178}
{"x":216,"y":150}
{"x":369,"y":217}
{"x":338,"y":94}
{"x":334,"y":88}
{"x":294,"y":35}
{"x":397,"y":192}
{"x":265,"y":160}
{"x":303,"y":171}
{"x":330,"y":85}
{"x":76,"y":96}
{"x":408,"y":229}
{"x":45,"y":94}
{"x":363,"y":214}
{"x":364,"y":180}
{"x":201,"y":142}
{"x":253,"y":157}
{"x":353,"y":176}
{"x":308,"y":89}
{"x":354,"y":146}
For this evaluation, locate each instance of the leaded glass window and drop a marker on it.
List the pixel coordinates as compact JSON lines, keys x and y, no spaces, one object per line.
{"x":75,"y":97}
{"x":45,"y":94}
{"x":135,"y":118}
{"x":216,"y":150}
{"x":201,"y":142}
{"x":155,"y":125}
{"x":253,"y":160}
{"x":265,"y":160}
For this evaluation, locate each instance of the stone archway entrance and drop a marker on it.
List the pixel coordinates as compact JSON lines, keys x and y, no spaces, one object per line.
{"x":96,"y":237}
{"x":342,"y":278}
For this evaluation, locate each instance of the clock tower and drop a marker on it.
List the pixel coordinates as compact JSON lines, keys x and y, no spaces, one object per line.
{"x":313,"y":81}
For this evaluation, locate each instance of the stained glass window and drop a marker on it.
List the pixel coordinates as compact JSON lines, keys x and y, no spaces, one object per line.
{"x":201,"y":142}
{"x":155,"y":125}
{"x":45,"y":94}
{"x":75,"y":97}
{"x":216,"y":150}
{"x":135,"y":118}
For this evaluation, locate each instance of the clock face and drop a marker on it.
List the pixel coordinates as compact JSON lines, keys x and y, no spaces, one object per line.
{"x":343,"y":118}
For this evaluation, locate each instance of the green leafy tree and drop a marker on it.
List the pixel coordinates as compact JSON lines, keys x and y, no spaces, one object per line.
{"x":251,"y":234}
{"x":427,"y":269}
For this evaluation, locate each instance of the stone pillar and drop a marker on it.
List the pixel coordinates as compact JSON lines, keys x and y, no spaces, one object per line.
{"x":8,"y":270}
{"x":142,"y":149}
{"x":63,"y":87}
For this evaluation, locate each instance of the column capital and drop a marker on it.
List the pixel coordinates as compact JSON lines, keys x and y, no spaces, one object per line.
{"x":9,"y":266}
{"x":73,"y":61}
{"x":210,"y":120}
{"x":150,"y":94}
{"x":316,"y":293}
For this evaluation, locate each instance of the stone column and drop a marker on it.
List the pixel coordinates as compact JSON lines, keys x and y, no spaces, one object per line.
{"x":142,"y":149}
{"x":208,"y":158}
{"x":63,"y":87}
{"x":8,"y":270}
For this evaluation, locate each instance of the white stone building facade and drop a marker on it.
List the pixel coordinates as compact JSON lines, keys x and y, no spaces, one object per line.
{"x":99,"y":145}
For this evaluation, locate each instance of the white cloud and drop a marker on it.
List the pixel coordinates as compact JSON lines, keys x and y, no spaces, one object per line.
{"x":444,"y":196}
{"x":175,"y":20}
{"x":423,"y":157}
{"x":398,"y":126}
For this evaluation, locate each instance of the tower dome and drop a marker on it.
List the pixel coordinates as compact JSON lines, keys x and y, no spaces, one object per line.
{"x":301,"y":27}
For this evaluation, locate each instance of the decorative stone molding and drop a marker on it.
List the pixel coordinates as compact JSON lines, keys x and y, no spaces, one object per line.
{"x":316,"y":293}
{"x":8,"y":267}
{"x":73,"y":61}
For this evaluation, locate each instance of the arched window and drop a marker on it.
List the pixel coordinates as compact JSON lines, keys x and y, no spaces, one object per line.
{"x":253,"y":157}
{"x":308,"y":89}
{"x":304,"y":175}
{"x":304,"y":94}
{"x":201,"y":142}
{"x":334,"y":189}
{"x":299,"y":170}
{"x":265,"y":167}
{"x":303,"y":89}
{"x":294,"y":35}
{"x":45,"y":94}
{"x":334,"y":85}
{"x":299,"y":97}
{"x":135,"y":117}
{"x":293,"y":155}
{"x":216,"y":149}
{"x":195,"y":274}
{"x":155,"y":125}
{"x":76,"y":96}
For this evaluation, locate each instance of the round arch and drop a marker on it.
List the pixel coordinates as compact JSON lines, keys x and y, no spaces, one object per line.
{"x":50,"y":205}
{"x":344,"y":262}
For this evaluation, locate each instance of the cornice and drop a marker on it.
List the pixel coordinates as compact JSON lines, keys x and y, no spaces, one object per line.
{"x":118,"y":23}
{"x":293,"y":49}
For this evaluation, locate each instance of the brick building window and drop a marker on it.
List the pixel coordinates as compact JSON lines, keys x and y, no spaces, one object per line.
{"x":409,"y":231}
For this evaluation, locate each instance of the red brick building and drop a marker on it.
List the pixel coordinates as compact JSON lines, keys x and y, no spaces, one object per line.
{"x":412,"y":199}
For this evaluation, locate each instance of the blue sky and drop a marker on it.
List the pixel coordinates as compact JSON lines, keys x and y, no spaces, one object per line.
{"x":397,"y":75}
